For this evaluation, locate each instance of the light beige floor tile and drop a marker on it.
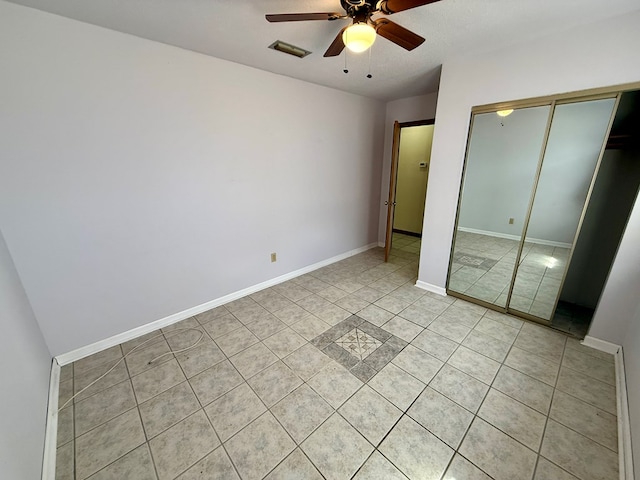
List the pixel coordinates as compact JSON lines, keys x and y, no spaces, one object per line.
{"x":486,"y":345}
{"x":402,"y":328}
{"x":135,"y":464}
{"x":152,"y":382}
{"x":215,"y":382}
{"x":414,"y":451}
{"x":549,"y":347}
{"x":588,"y":389}
{"x":310,"y":327}
{"x":597,"y":368}
{"x":295,"y":466}
{"x":418,"y":315}
{"x":450,"y":329}
{"x":435,"y":345}
{"x":306,"y":361}
{"x":221,"y":326}
{"x":433,"y":305}
{"x":199,"y":358}
{"x":370,"y":413}
{"x":139,"y":361}
{"x":463,"y":469}
{"x":301,"y":412}
{"x":596,"y":424}
{"x":393,"y":304}
{"x":513,"y":418}
{"x":505,"y":319}
{"x":378,"y":468}
{"x":397,"y":386}
{"x":259,"y":447}
{"x":352,"y":303}
{"x":253,"y":360}
{"x":532,"y":365}
{"x":376,"y":315}
{"x":65,"y":462}
{"x":212,"y":314}
{"x":524,"y":388}
{"x":465,"y":316}
{"x":575,"y":344}
{"x":179,"y":447}
{"x":460,"y":387}
{"x":274,"y":383}
{"x":496,"y":453}
{"x":65,"y":426}
{"x":577,"y":454}
{"x":236,"y":341}
{"x":419,"y":364}
{"x":497,"y":330}
{"x":82,"y":383}
{"x":332,"y":314}
{"x":292,"y":314}
{"x":105,"y":444}
{"x":474,"y":364}
{"x":107,"y":356}
{"x":335,"y":384}
{"x":234,"y":410}
{"x":443,"y":417}
{"x":97,"y":409}
{"x":284,"y":342}
{"x":266,"y":326}
{"x":548,"y":471}
{"x":215,"y":465}
{"x":336,"y":449}
{"x":168,"y":408}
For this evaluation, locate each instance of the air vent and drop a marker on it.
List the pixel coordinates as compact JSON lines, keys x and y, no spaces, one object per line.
{"x":290,"y":49}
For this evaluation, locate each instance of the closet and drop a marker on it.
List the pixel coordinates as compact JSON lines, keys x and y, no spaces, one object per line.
{"x":543,"y":203}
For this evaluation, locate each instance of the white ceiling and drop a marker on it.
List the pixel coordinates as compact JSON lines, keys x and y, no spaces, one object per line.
{"x":236,"y":30}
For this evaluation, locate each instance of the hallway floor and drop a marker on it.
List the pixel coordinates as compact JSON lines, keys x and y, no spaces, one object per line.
{"x":347,"y":372}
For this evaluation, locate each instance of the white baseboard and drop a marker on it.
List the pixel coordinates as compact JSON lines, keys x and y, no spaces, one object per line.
{"x":431,"y":288}
{"x":601,"y":345}
{"x":96,"y":347}
{"x":625,"y":452}
{"x":51,"y":429}
{"x":381,"y":244}
{"x":538,"y":241}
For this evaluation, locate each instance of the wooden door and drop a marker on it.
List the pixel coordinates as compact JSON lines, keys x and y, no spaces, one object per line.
{"x":391,"y":201}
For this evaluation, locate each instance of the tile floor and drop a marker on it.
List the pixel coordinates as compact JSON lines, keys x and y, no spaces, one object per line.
{"x":458,"y":392}
{"x":483,"y":267}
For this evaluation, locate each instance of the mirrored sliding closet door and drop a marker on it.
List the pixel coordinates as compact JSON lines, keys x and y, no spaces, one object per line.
{"x":527,"y":178}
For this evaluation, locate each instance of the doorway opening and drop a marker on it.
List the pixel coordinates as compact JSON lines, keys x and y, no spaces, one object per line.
{"x":408,"y":186}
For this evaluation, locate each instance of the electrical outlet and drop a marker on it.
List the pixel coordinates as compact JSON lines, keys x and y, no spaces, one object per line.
{"x":511,"y":221}
{"x":273,"y":257}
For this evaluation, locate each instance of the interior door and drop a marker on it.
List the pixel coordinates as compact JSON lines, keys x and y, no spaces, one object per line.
{"x":391,"y":201}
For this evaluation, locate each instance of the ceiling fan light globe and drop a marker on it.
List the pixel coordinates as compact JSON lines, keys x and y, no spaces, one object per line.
{"x":359,"y":37}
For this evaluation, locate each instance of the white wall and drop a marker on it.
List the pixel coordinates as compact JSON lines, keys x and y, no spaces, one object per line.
{"x":501,"y":168}
{"x":24,"y":377}
{"x":590,"y":56}
{"x":140,"y":179}
{"x":408,"y":109}
{"x":631,"y":351}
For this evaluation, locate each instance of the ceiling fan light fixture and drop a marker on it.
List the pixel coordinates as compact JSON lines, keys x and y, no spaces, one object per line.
{"x":359,"y":37}
{"x":505,"y":113}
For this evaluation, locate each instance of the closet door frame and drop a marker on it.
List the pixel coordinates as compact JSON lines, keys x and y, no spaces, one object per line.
{"x":552,"y":101}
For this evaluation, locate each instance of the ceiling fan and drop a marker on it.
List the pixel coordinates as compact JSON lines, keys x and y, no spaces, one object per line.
{"x":361,"y":34}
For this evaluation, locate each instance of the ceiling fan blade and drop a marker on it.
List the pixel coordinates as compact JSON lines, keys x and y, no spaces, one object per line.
{"x":393,"y":6}
{"x":397,"y":34}
{"x":297,"y":17}
{"x":336,"y":46}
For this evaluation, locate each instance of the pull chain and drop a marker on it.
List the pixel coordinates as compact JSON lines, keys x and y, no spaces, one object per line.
{"x":346,"y":70}
{"x":369,"y":74}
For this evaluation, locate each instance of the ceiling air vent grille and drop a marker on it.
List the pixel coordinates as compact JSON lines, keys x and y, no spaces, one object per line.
{"x":290,"y":49}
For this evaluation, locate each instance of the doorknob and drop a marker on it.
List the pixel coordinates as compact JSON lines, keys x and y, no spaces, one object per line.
{"x":386,"y":203}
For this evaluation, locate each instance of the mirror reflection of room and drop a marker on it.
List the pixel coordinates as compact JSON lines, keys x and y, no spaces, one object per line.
{"x":538,"y":181}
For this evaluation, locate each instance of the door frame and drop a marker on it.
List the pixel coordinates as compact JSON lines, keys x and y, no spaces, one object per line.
{"x":393,"y":178}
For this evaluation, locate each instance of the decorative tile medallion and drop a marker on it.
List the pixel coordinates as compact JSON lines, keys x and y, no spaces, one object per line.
{"x":474,"y":261}
{"x":359,"y":346}
{"x":358,"y":343}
